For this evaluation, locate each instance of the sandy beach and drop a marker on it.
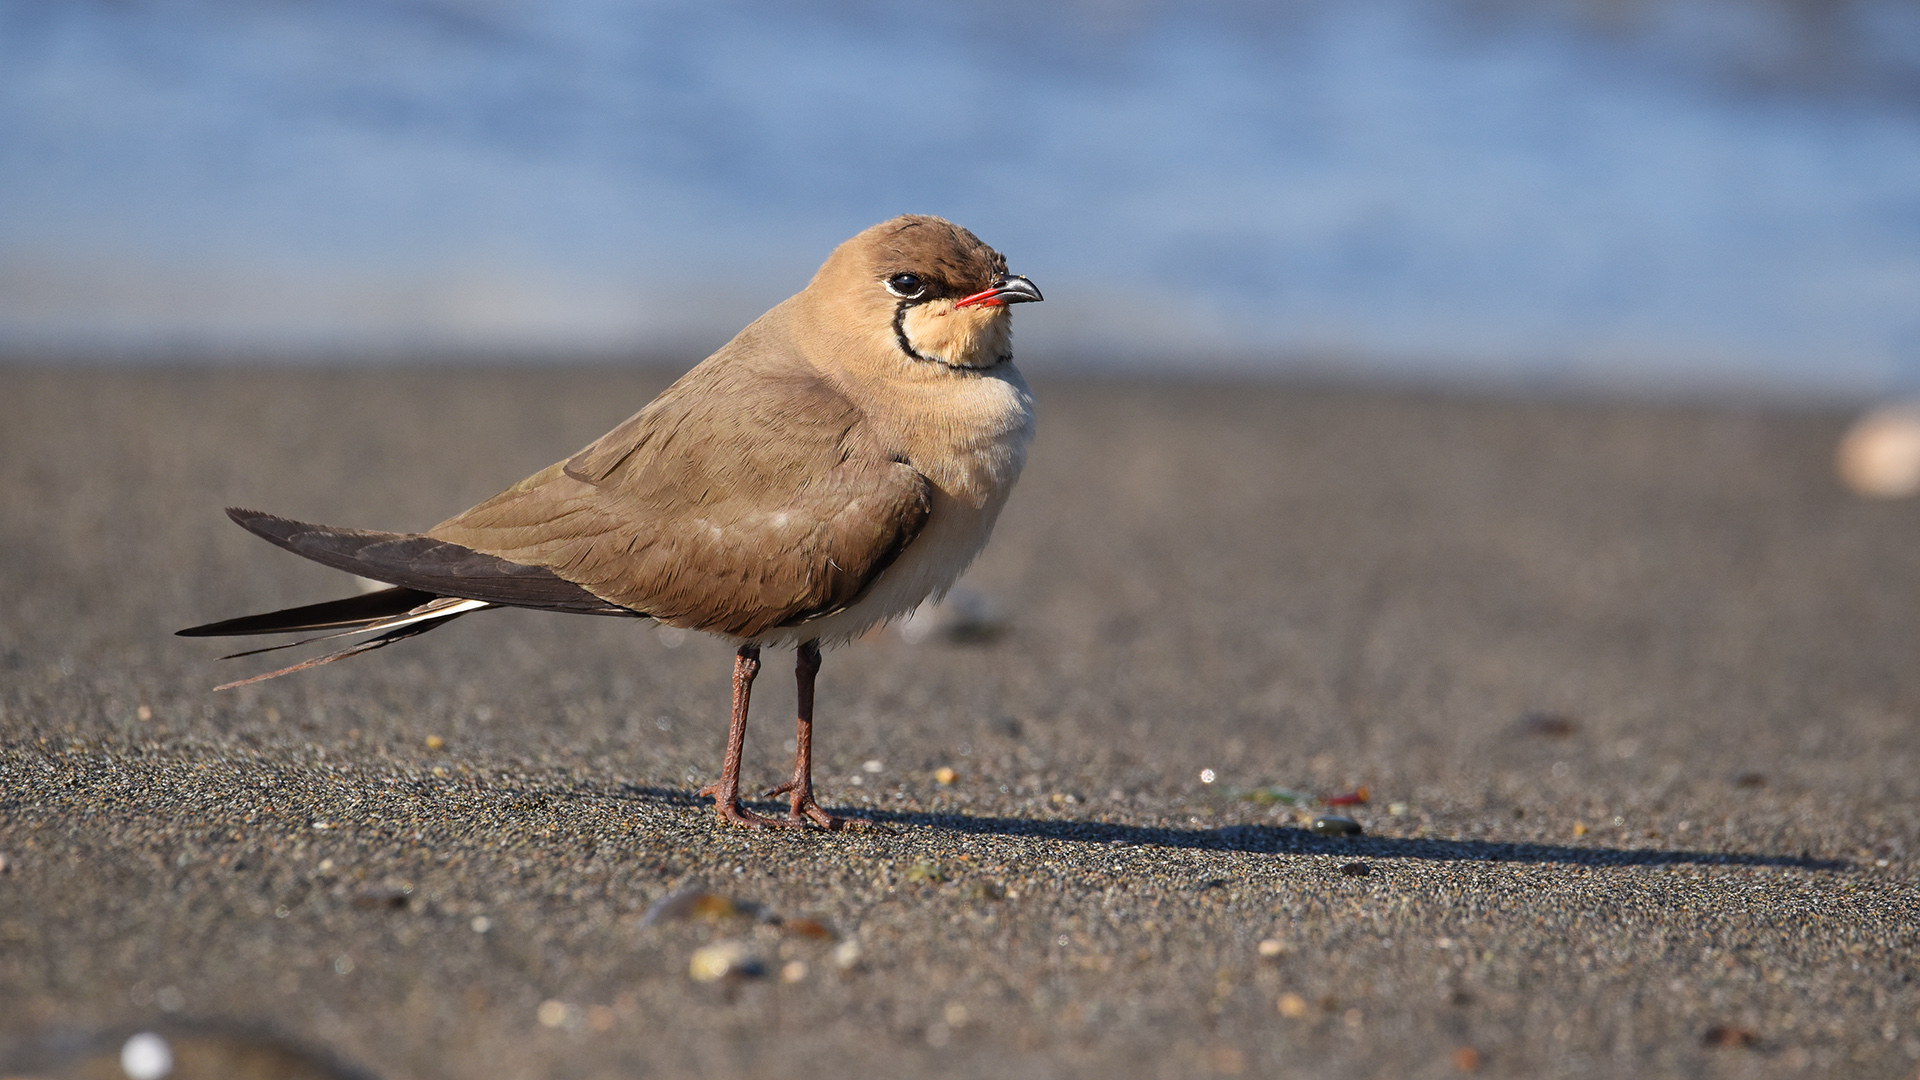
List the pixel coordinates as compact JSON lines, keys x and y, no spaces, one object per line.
{"x":1633,"y":691}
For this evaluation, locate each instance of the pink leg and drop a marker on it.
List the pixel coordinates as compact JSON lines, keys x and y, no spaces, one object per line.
{"x":803,"y":807}
{"x":726,"y":793}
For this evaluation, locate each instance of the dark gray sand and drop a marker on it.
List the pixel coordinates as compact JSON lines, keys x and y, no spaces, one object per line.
{"x":1635,"y":692}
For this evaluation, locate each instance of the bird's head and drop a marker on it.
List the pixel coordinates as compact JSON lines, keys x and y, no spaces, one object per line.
{"x":930,"y":288}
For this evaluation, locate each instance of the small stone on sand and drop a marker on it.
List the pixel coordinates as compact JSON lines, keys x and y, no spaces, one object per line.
{"x":1335,"y":825}
{"x":146,"y":1056}
{"x":722,"y":959}
{"x":1879,"y":457}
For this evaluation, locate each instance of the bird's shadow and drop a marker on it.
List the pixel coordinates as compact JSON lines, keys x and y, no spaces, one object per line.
{"x":1282,"y":840}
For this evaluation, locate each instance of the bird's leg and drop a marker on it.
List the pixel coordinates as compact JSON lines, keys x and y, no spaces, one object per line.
{"x":806,"y":665}
{"x":726,"y":793}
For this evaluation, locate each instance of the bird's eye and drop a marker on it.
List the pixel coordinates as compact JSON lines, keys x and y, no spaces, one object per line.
{"x":906,"y":286}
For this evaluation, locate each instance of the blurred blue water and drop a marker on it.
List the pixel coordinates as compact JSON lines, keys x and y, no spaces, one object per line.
{"x":1696,"y":193}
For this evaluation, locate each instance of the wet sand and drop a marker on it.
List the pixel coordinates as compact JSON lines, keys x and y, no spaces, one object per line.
{"x":1634,"y":692}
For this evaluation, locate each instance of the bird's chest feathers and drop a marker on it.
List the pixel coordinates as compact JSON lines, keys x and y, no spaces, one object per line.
{"x":968,"y":435}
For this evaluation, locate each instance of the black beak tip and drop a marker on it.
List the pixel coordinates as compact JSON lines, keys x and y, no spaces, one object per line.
{"x":1018,"y":290}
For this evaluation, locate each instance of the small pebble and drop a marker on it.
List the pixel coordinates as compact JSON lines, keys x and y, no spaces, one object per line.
{"x":143,"y":714}
{"x":846,"y":955}
{"x":435,"y":742}
{"x":1335,"y":825}
{"x":723,"y":959}
{"x":809,"y":928}
{"x":1548,"y":725}
{"x":1272,"y":947}
{"x":1879,"y":457}
{"x":1728,"y":1037}
{"x":1356,"y":869}
{"x":793,"y":971}
{"x":695,"y":903}
{"x":146,"y":1056}
{"x":944,"y":775}
{"x":1466,"y":1059}
{"x":1293,"y":1006}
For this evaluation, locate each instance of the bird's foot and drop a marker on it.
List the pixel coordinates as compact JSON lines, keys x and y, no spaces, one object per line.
{"x":805,"y":809}
{"x":732,"y":810}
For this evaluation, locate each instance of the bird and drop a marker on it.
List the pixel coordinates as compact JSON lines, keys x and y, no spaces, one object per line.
{"x":836,"y":464}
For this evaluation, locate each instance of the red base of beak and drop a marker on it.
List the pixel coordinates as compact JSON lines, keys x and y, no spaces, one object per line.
{"x":989,"y":298}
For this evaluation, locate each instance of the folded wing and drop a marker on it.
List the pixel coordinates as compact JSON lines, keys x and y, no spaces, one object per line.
{"x":750,"y":496}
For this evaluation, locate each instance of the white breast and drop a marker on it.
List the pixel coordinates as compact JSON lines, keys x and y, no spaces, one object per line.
{"x":969,"y":437}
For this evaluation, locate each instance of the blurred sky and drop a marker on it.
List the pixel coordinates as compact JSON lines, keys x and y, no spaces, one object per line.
{"x":1686,"y":193}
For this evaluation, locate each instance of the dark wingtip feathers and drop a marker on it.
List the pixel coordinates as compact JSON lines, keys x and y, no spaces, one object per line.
{"x":331,"y":615}
{"x":419,"y":561}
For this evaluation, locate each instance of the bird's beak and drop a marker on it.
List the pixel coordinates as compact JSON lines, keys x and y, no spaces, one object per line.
{"x":1010,"y":290}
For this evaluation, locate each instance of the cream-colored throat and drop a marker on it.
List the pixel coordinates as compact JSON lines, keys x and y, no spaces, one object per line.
{"x":972,"y":337}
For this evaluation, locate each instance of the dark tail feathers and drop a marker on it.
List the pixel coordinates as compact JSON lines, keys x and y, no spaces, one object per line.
{"x":434,"y":582}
